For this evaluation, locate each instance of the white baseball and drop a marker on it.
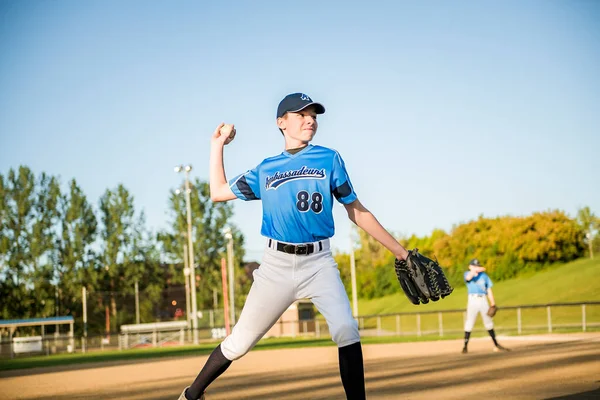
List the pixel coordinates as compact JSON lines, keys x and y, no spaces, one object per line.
{"x":227,"y":129}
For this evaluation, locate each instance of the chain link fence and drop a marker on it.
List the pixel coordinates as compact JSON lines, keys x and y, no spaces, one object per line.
{"x":515,"y":320}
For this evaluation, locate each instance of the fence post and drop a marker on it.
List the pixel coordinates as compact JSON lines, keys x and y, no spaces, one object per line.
{"x":549,"y":319}
{"x":362,"y":323}
{"x":583,"y":317}
{"x":72,"y":338}
{"x":441,"y":325}
{"x":519,"y":320}
{"x":84,"y":338}
{"x":418,"y":324}
{"x":317,"y":328}
{"x":398,"y":324}
{"x":378,"y":325}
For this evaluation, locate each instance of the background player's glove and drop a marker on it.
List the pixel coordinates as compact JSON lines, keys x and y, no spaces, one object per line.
{"x":421,"y":278}
{"x":492,"y":311}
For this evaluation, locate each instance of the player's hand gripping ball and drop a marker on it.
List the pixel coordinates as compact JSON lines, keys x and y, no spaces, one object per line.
{"x":227,"y":131}
{"x":223,"y":134}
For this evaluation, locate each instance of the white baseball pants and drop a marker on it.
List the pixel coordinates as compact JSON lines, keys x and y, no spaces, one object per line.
{"x":478,"y":304}
{"x":282,"y":279}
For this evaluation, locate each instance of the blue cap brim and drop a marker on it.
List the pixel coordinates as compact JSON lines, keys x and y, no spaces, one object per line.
{"x":319,"y":108}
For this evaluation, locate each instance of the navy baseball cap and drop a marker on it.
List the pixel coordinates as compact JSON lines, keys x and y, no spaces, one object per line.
{"x":475,"y":262}
{"x":297,"y":102}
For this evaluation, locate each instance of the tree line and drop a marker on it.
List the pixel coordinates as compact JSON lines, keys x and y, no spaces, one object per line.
{"x":54,"y":241}
{"x":507,"y":246}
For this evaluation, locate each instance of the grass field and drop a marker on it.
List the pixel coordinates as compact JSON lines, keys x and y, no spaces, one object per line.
{"x":577,"y":281}
{"x":574,"y":282}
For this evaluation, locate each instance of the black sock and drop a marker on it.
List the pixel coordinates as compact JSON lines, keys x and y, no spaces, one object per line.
{"x":467,"y":336}
{"x":493,"y":335}
{"x":352,"y":371}
{"x":214,"y":367}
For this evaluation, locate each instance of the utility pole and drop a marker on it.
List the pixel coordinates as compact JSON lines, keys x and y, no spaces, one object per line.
{"x":353,"y":277}
{"x":192,"y":265}
{"x":84,"y":300}
{"x":225,"y":303}
{"x":229,"y":237}
{"x":186,"y":275}
{"x":188,"y":168}
{"x":137,"y":303}
{"x":56,"y":307}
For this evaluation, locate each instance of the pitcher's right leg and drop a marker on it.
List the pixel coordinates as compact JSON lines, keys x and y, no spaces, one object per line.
{"x":271,"y":294}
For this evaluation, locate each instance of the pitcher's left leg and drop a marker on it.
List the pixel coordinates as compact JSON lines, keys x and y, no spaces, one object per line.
{"x":329,"y":296}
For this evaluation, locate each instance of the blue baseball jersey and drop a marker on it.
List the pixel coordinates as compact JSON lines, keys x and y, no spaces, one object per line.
{"x":297,"y":192}
{"x":479,"y":284}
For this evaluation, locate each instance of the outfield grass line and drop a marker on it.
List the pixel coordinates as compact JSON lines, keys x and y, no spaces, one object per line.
{"x":575,"y":282}
{"x":86,"y":360}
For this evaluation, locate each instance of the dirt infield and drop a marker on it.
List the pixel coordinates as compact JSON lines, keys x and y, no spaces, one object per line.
{"x":539,"y":367}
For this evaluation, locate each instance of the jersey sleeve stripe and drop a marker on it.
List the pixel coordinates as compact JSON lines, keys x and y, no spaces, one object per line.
{"x":245,"y":189}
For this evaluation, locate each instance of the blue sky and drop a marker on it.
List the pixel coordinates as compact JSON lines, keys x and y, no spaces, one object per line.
{"x":442,"y":111}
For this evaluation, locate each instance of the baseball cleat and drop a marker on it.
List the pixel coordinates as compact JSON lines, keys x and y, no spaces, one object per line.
{"x":182,"y":395}
{"x":500,"y":348}
{"x":464,"y":350}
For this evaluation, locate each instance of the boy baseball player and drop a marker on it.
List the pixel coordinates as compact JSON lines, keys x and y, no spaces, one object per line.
{"x":297,"y":188}
{"x":479,"y":286}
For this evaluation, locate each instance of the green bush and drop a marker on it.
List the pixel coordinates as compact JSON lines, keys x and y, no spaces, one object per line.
{"x":507,"y":246}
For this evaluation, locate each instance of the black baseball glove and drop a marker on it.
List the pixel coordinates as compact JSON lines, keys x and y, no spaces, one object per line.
{"x":421,"y":278}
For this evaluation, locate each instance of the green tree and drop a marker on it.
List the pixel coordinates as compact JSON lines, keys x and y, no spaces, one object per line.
{"x":208,"y":222}
{"x":28,"y":218}
{"x":74,"y":257}
{"x":510,"y":245}
{"x":506,"y":245}
{"x":124,"y":249}
{"x":375,"y":273}
{"x":590,"y":223}
{"x":41,"y":245}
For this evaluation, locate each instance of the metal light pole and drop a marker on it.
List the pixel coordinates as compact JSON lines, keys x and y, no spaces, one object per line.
{"x":186,"y":275}
{"x":137,"y":303}
{"x":187,"y":170}
{"x":84,"y":299}
{"x":353,"y":277}
{"x":229,"y":237}
{"x":56,"y":307}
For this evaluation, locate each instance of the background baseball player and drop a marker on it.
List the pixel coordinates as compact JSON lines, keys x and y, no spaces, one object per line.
{"x":479,"y":285}
{"x":297,"y":188}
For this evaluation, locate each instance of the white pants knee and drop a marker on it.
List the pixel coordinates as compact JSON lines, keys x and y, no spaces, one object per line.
{"x":282,"y":279}
{"x":478,"y":304}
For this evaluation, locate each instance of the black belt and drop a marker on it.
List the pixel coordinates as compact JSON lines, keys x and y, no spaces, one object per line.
{"x":298,"y":249}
